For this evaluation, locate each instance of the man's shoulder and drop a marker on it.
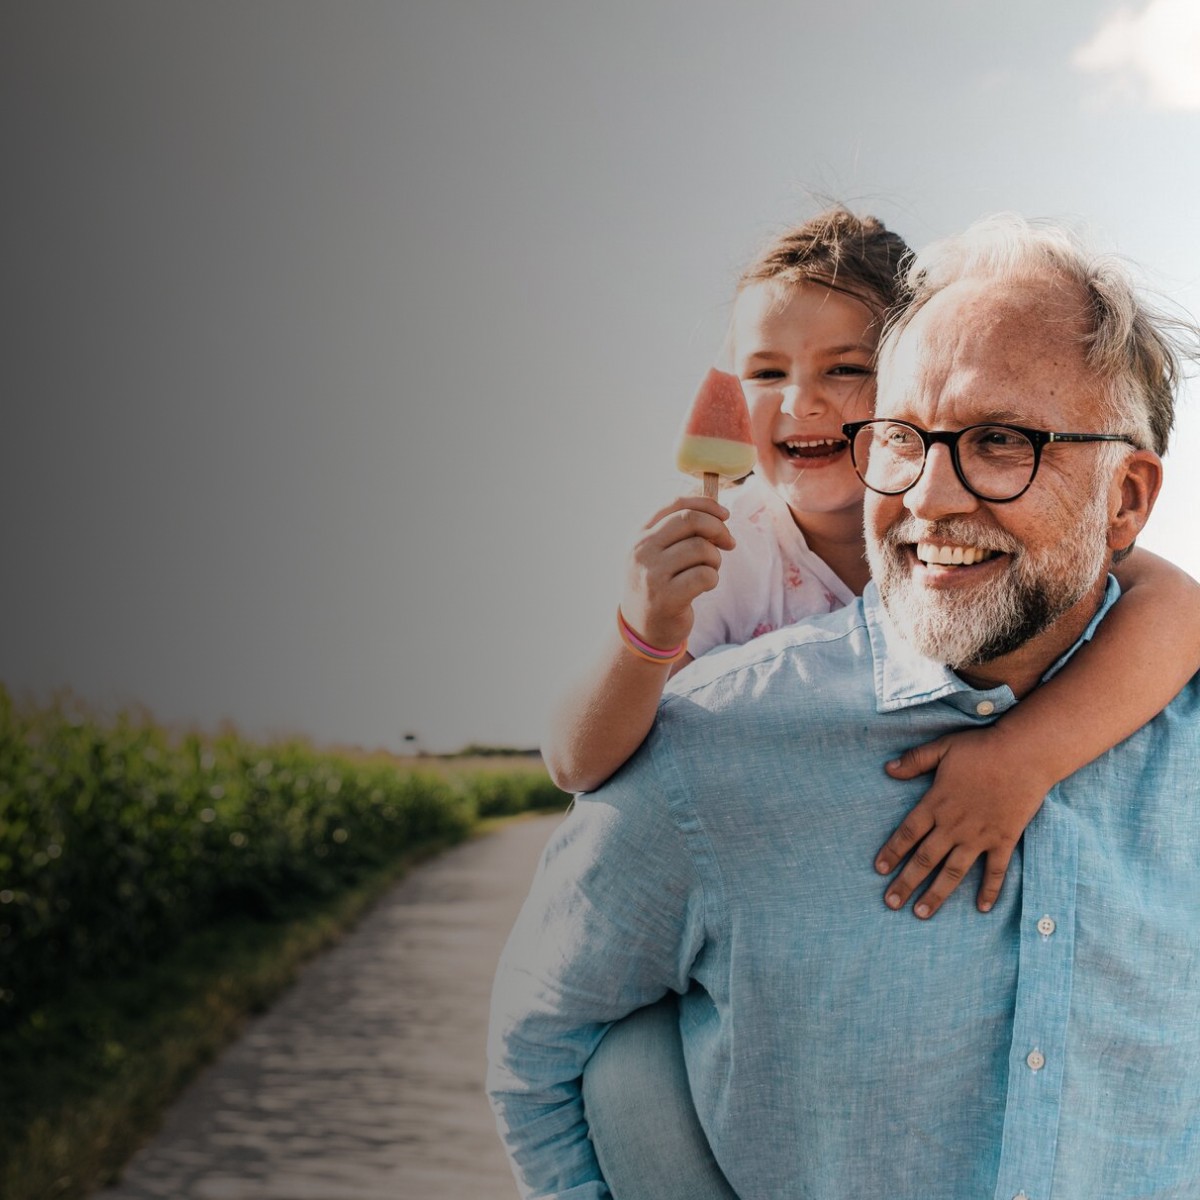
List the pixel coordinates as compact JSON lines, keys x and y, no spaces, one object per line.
{"x":729,"y":720}
{"x":827,"y":642}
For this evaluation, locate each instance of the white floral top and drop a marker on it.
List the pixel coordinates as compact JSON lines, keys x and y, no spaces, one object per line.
{"x":770,"y":579}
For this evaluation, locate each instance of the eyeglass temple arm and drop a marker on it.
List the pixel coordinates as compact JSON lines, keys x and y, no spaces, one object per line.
{"x":1088,"y":437}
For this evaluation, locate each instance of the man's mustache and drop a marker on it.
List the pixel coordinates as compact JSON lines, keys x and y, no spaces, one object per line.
{"x":954,"y":531}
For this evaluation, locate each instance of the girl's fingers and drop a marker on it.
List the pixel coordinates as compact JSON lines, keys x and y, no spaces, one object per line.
{"x":677,"y":558}
{"x":919,"y":760}
{"x":689,"y":584}
{"x":993,"y":878}
{"x":685,"y":574}
{"x":924,"y":861}
{"x":958,"y":863}
{"x":655,"y":565}
{"x":911,"y":830}
{"x":690,"y":552}
{"x":679,"y":527}
{"x":662,"y":585}
{"x":701,"y":504}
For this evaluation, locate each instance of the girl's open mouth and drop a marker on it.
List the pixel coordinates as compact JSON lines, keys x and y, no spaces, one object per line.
{"x":812,"y":449}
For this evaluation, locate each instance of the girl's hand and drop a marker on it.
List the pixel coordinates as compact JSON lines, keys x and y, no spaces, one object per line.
{"x":676,"y":559}
{"x":979,"y":803}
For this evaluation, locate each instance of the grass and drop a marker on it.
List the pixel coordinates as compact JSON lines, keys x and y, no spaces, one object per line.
{"x":157,"y":887}
{"x":87,"y":1082}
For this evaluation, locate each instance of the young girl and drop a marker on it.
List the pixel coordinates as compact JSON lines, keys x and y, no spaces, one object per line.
{"x":806,"y":324}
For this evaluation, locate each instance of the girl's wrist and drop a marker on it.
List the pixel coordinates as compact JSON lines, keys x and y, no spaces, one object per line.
{"x":641,"y":648}
{"x":650,"y":623}
{"x":1028,"y":755}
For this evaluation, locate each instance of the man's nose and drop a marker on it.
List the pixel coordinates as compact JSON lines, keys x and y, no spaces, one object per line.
{"x":939,"y":492}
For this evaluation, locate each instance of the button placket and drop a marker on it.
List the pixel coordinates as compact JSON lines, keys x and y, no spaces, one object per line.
{"x":1039,"y":1033}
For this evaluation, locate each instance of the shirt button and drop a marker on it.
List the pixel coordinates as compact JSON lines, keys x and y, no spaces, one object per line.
{"x":1046,"y":926}
{"x":985,"y":708}
{"x":1035,"y":1060}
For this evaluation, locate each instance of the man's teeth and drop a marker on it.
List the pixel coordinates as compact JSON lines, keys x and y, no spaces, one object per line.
{"x":952,"y":556}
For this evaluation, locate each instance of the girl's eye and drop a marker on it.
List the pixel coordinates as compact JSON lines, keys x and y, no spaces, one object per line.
{"x":765,"y":373}
{"x":856,"y":369}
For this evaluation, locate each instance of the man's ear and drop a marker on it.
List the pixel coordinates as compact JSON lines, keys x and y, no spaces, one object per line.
{"x":1135,"y":488}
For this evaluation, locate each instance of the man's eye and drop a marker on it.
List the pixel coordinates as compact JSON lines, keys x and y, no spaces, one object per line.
{"x":1000,"y":439}
{"x":898,"y":438}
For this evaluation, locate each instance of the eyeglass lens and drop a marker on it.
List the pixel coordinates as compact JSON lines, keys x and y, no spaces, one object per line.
{"x":996,"y":462}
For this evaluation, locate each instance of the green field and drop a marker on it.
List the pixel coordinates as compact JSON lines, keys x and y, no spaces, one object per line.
{"x":155,"y":888}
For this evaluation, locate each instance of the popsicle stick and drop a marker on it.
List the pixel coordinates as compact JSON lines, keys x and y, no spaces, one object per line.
{"x":710,"y":484}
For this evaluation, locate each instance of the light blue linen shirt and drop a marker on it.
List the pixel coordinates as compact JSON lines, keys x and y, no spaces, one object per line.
{"x":837,"y":1050}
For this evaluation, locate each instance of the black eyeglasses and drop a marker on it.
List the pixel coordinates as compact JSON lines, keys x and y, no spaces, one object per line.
{"x":996,"y":463}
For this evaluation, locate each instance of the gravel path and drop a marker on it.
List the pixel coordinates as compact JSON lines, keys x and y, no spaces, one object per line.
{"x":364,"y":1081}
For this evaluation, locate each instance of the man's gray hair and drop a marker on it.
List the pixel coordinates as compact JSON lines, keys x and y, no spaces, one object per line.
{"x":1136,"y":350}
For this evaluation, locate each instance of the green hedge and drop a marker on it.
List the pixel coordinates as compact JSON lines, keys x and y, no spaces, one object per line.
{"x":115,"y":838}
{"x":503,"y":793}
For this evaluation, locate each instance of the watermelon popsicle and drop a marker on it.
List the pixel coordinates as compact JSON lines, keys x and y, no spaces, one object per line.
{"x":717,"y":439}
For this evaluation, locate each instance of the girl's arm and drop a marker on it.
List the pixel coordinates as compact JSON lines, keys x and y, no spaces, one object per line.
{"x":604,"y":718}
{"x":991,"y":781}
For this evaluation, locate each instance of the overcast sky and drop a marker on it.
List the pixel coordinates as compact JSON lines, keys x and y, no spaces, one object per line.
{"x":346,"y":343}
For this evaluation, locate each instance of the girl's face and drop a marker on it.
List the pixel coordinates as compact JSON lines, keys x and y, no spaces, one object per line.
{"x":805,"y":356}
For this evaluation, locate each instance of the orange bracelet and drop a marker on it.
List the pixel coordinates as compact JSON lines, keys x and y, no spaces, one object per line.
{"x":642,"y":649}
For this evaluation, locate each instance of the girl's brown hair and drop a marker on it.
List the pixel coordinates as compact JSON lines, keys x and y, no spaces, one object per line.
{"x":856,"y":255}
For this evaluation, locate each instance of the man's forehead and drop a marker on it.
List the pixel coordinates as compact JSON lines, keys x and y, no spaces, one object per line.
{"x":1009,"y":336}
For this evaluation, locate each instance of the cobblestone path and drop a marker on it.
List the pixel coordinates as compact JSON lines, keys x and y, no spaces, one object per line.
{"x":365,"y":1080}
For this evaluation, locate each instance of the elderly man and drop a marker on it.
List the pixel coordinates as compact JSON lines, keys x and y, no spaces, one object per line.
{"x":1049,"y":1050}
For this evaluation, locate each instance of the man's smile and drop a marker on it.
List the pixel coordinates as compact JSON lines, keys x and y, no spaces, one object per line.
{"x":953,"y":556}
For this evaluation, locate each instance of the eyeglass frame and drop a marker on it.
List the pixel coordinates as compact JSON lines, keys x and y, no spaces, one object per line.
{"x":1038,"y":438}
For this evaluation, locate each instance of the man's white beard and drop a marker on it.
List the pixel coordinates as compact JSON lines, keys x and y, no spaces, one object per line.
{"x":965,"y":627}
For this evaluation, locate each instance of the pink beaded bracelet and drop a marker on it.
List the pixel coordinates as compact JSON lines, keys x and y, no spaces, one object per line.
{"x":643,"y":649}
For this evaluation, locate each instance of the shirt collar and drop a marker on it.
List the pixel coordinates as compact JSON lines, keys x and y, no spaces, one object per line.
{"x":905,"y":678}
